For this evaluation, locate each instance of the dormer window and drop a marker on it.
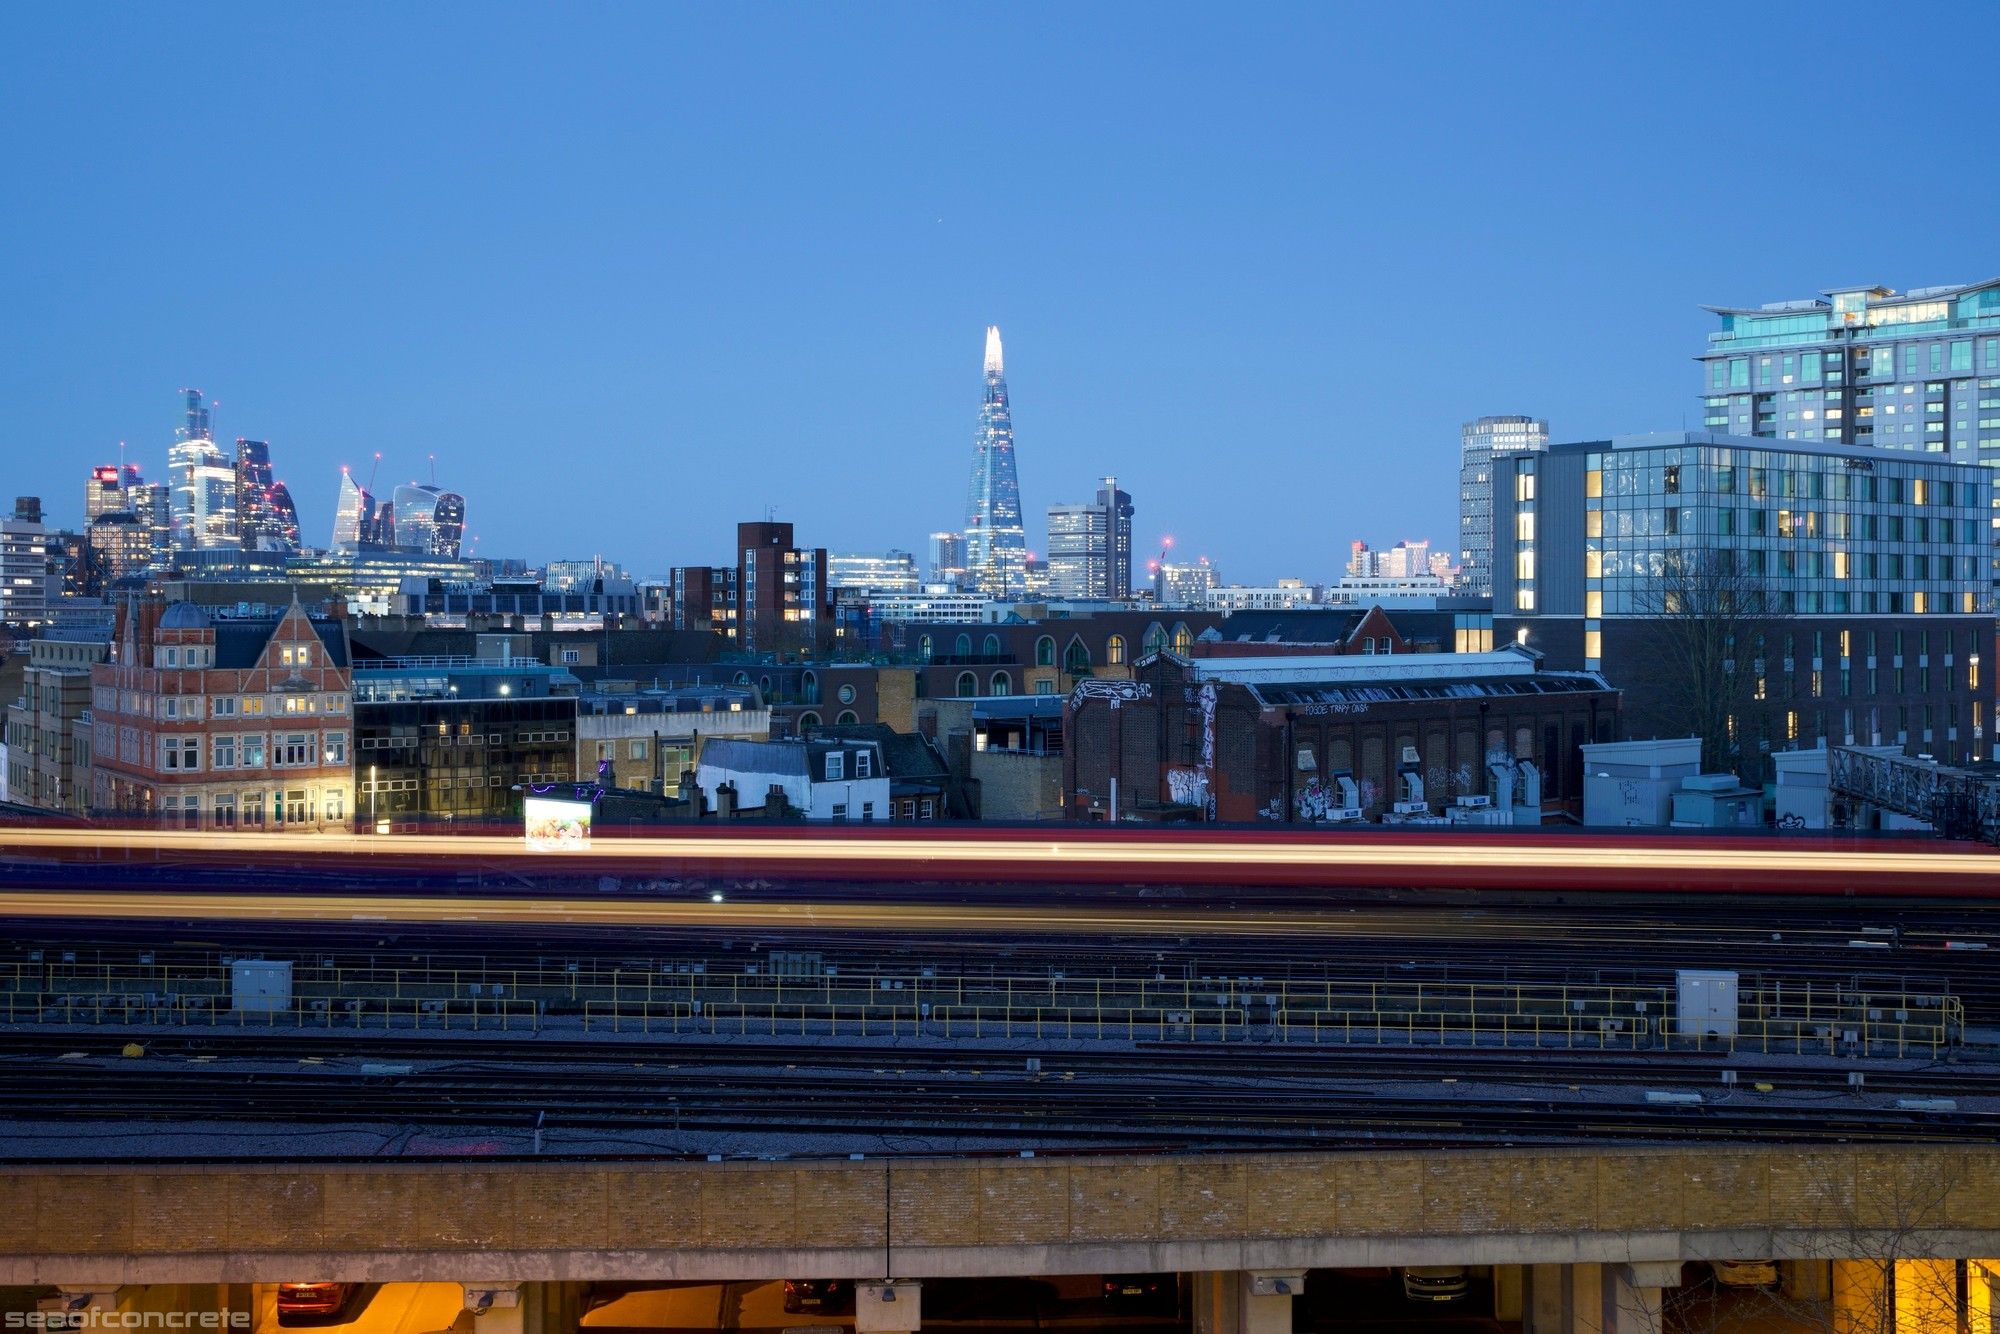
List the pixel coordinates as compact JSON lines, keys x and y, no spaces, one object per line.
{"x":861,"y":763}
{"x":836,"y":768}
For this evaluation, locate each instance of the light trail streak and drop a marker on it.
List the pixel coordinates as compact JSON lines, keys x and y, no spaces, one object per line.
{"x":1122,"y":851}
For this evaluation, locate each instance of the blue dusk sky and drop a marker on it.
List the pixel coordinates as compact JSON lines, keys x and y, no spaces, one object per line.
{"x":635,"y":272}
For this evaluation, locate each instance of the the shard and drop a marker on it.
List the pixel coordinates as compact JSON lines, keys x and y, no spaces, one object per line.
{"x":996,"y":546}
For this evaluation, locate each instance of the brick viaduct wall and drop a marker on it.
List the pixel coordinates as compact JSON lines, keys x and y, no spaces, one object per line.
{"x":740,"y":1220}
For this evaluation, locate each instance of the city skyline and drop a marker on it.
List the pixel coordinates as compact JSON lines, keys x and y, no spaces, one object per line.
{"x":1320,"y":318}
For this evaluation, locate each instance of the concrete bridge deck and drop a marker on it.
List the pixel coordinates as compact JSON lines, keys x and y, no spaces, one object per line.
{"x":523,"y":1221}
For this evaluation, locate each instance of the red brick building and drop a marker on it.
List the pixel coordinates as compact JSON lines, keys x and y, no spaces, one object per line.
{"x":223,"y":723}
{"x":1258,"y":737}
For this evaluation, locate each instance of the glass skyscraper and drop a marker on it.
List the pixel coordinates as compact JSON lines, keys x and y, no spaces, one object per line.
{"x":202,"y":480}
{"x":1482,"y":442}
{"x":266,"y":519}
{"x":996,"y":546}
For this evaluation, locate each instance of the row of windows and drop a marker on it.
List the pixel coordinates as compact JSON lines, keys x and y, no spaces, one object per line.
{"x":254,"y":810}
{"x":1076,"y":656}
{"x":141,"y":704}
{"x":286,"y":750}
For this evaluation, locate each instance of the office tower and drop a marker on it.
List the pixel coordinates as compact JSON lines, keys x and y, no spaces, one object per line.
{"x":1185,"y":585}
{"x":152,"y":506}
{"x":1034,"y":578}
{"x":1360,"y":560}
{"x":109,"y":490}
{"x":948,"y":559}
{"x":1117,"y":506}
{"x":1405,"y":560}
{"x":428,"y":520}
{"x":892,"y":572}
{"x":284,"y":516}
{"x":265,"y":519}
{"x":353,"y":515}
{"x":1090,"y":546}
{"x":122,"y":544}
{"x":24,"y":564}
{"x":1481,"y":443}
{"x":1845,"y":588}
{"x":1077,"y":542}
{"x":996,"y":545}
{"x":202,"y":482}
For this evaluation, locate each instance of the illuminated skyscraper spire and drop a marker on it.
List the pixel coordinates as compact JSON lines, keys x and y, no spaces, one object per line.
{"x":996,"y":546}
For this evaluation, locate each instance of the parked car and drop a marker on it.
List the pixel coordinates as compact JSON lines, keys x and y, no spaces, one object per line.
{"x":825,"y":1295}
{"x":1149,"y":1293}
{"x":1746,"y":1273}
{"x":298,"y":1301}
{"x":1434,"y":1283}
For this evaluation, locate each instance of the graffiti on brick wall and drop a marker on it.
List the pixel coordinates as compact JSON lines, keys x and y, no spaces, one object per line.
{"x":1208,"y":748}
{"x":1187,"y":787}
{"x":1316,"y":800}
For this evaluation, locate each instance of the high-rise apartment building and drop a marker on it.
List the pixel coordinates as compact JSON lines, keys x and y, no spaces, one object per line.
{"x":1090,"y":546}
{"x":704,"y":598}
{"x":773,"y":600}
{"x":1916,"y":371}
{"x":996,"y":545}
{"x":202,"y":481}
{"x":1845,"y":588}
{"x":1481,"y":443}
{"x":781,"y":599}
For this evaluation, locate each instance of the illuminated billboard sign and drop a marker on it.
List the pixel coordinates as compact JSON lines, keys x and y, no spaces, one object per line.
{"x":556,"y":826}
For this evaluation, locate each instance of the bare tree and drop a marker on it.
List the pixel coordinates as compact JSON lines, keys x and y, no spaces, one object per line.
{"x":1704,"y":649}
{"x":1867,"y":1263}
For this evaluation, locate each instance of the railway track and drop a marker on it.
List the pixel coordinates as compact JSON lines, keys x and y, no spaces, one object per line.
{"x":1125,"y":1108}
{"x":1219,"y":1096}
{"x":1234,"y":1061}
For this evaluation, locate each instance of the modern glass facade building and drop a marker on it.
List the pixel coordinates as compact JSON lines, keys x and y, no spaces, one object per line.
{"x":892,"y":572}
{"x":1917,"y":371}
{"x":947,"y":565}
{"x":429,"y":521}
{"x":996,"y":545}
{"x":1870,"y":567}
{"x":1481,"y":443}
{"x":202,"y":483}
{"x":265,"y":517}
